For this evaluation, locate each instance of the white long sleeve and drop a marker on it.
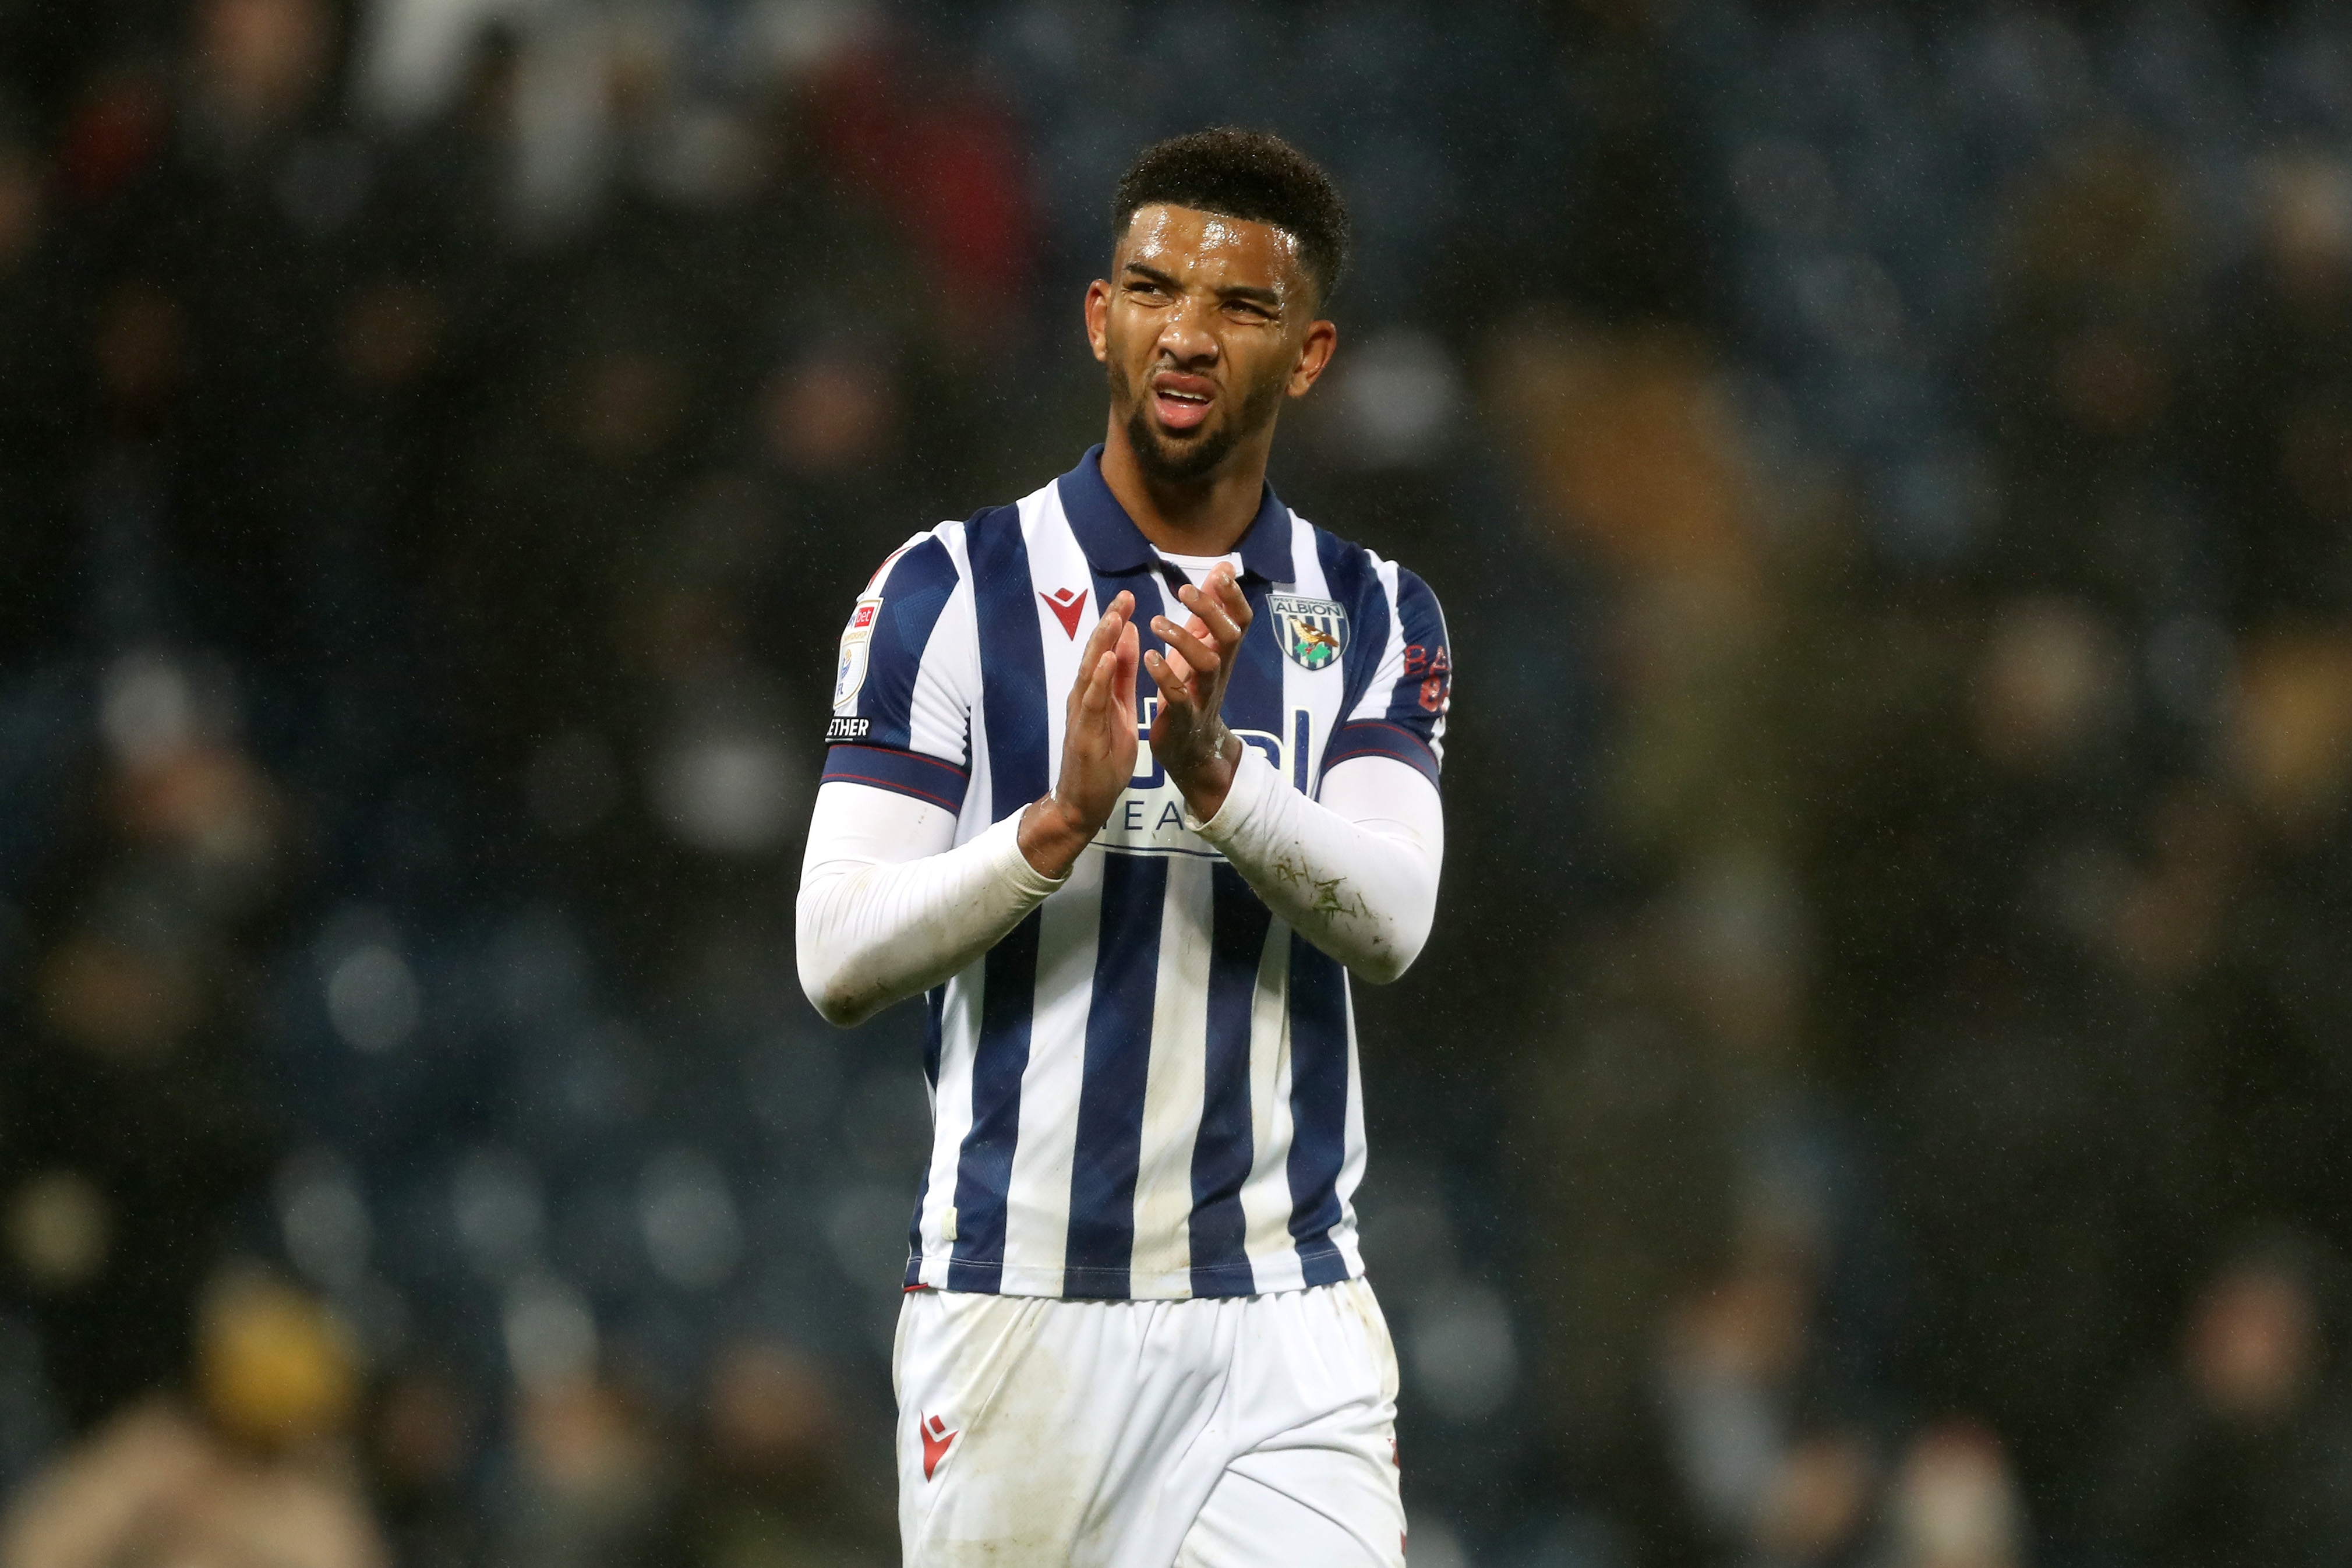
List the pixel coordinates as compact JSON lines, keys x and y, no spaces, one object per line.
{"x":886,"y":910}
{"x":1354,"y":871}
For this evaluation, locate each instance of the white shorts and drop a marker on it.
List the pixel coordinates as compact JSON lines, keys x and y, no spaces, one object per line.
{"x":1204,"y":1433}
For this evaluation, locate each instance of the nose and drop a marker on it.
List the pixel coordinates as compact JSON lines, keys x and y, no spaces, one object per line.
{"x":1186,"y":336}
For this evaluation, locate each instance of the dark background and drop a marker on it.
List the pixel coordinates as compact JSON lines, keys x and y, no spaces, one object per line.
{"x":1880,"y":1091}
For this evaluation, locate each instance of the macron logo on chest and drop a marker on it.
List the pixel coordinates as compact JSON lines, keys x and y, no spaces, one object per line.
{"x":1067,"y":607}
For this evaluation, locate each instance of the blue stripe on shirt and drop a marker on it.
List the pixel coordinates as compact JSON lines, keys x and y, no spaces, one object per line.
{"x":1223,"y":1148}
{"x":1103,"y":1164}
{"x":1428,"y":673}
{"x":1012,"y":660}
{"x":918,"y":588}
{"x":1012,"y":696}
{"x":1349,"y":576}
{"x":934,"y":1021}
{"x":984,"y":1164}
{"x":1254,"y":696}
{"x":1318,"y":1107}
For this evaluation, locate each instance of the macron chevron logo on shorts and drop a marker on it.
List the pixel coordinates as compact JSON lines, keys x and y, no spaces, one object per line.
{"x":936,"y":1439}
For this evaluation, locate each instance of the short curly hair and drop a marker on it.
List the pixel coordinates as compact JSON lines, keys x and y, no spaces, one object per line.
{"x":1250,"y":174}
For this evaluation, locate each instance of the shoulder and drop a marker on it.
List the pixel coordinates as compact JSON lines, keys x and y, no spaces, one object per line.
{"x":931,"y":579}
{"x":923,"y":576}
{"x":956,"y":549}
{"x":1362,"y":580}
{"x":905,"y":603}
{"x":995,"y":541}
{"x":932,"y":560}
{"x":974,"y":551}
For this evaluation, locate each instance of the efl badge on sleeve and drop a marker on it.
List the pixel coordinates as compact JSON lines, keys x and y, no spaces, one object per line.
{"x":850,"y":673}
{"x":1314,"y":632}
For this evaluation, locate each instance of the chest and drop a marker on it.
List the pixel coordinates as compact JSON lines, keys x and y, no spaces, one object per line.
{"x":1287,"y":694}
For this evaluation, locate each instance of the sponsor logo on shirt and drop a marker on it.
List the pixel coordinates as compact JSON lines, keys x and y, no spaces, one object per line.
{"x":846,"y":729}
{"x":1148,"y":818}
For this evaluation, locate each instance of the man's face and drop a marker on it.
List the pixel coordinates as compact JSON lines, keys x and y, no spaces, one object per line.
{"x":1206,"y":323}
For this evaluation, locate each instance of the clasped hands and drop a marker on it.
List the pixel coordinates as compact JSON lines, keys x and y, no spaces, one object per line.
{"x":1189,"y":737}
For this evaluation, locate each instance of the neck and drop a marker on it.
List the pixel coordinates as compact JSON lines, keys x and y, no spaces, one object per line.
{"x":1206,"y":516}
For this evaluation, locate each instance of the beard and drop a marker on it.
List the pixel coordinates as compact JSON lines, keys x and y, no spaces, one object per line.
{"x":1174,"y":462}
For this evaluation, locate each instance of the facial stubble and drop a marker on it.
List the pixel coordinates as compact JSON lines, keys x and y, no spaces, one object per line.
{"x":1169,"y":463}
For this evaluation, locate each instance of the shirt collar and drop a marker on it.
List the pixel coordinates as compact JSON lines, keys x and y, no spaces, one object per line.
{"x":1114,"y":546}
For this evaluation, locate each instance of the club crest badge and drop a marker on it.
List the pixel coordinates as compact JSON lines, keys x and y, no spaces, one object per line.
{"x":1314,"y":632}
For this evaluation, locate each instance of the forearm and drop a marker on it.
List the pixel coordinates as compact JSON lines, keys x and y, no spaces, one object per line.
{"x":887,"y":911}
{"x":1356,"y":873}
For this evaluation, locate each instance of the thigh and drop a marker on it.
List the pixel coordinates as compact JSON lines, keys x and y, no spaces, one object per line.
{"x":992,"y":1457}
{"x":1286,"y":1508}
{"x":1315,"y":1481}
{"x":1045,"y":1432}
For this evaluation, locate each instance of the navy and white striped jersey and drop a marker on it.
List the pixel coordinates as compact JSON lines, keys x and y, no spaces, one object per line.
{"x":1148,"y":1088}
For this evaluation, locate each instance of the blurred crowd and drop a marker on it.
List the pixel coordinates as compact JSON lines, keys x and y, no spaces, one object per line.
{"x":1878,"y":1093}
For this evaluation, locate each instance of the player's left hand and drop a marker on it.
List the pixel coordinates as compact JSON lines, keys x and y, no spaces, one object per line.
{"x":1189,"y":737}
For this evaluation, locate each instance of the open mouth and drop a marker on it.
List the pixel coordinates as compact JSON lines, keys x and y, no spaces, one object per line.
{"x":1181,"y":402}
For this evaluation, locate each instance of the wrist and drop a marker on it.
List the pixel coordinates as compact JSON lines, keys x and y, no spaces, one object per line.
{"x":1052,"y":837}
{"x":1206,"y":782}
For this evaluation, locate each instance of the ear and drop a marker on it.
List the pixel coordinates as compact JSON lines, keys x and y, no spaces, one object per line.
{"x":1322,"y":340}
{"x":1098,"y":318}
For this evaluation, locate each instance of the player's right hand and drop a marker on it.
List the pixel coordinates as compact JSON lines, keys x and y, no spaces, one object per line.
{"x":1098,"y":745}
